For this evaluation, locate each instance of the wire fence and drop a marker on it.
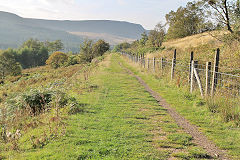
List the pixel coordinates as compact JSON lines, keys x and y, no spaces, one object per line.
{"x":207,"y":77}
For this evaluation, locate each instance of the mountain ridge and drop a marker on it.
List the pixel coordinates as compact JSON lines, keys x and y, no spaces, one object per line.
{"x":15,"y":29}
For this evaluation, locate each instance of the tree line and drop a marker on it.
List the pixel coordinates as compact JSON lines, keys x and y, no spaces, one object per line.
{"x":194,"y":18}
{"x":88,"y":51}
{"x":33,"y":53}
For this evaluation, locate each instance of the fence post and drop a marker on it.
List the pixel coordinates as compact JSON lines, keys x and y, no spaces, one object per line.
{"x":194,"y":65}
{"x":192,"y":76}
{"x":144,"y":61}
{"x":215,"y":72}
{"x":173,"y":64}
{"x":198,"y":80}
{"x":148,"y":63}
{"x":190,"y":67}
{"x":208,"y":77}
{"x":140,"y":60}
{"x":162,"y":65}
{"x":154,"y":64}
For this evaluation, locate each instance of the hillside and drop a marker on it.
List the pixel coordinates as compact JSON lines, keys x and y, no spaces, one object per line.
{"x":14,"y":30}
{"x":112,"y":39}
{"x":204,"y":46}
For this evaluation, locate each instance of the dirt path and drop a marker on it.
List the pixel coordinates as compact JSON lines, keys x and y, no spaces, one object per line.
{"x":199,"y":138}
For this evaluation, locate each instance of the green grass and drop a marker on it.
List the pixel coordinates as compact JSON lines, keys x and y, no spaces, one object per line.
{"x":121,"y":120}
{"x":193,"y":108}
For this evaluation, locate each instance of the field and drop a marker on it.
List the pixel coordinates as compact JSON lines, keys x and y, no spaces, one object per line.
{"x":118,"y":118}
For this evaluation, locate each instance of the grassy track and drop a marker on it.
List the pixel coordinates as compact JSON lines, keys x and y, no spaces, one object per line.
{"x":225,"y":135}
{"x":121,"y":121}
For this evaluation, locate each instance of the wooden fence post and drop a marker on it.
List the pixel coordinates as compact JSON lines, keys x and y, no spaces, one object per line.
{"x":144,"y":61}
{"x":154,"y":64}
{"x":162,"y":65}
{"x":140,"y":60}
{"x":192,"y":76}
{"x":198,"y":80}
{"x":215,"y":72}
{"x":194,"y":65}
{"x":190,"y":67}
{"x":173,"y":64}
{"x":148,"y":63}
{"x":208,"y":77}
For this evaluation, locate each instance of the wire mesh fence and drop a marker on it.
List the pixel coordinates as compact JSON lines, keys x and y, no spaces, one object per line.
{"x":209,"y":78}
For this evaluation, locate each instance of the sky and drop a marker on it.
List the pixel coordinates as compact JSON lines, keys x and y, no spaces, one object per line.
{"x":145,"y":12}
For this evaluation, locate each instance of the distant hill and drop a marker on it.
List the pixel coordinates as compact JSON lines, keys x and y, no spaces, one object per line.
{"x":14,"y":30}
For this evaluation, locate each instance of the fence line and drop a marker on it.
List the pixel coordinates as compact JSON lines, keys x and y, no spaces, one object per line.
{"x":207,"y":77}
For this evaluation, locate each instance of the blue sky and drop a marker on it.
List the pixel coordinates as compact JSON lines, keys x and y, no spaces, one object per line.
{"x":145,"y":12}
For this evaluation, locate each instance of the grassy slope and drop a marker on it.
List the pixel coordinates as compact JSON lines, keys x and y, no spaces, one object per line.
{"x":191,"y":107}
{"x":121,"y":121}
{"x":204,"y":46}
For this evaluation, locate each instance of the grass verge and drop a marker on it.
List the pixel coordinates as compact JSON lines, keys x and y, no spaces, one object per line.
{"x":193,"y":108}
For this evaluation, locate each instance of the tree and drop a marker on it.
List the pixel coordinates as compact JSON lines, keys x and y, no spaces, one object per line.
{"x":73,"y":59}
{"x":157,"y":36}
{"x":187,"y":21}
{"x":86,"y":51}
{"x":122,"y":46}
{"x":32,"y":53}
{"x":54,"y":46}
{"x":221,"y":10}
{"x":34,"y":44}
{"x":57,"y":59}
{"x":100,"y":47}
{"x":8,"y":64}
{"x":25,"y":57}
{"x":143,"y":39}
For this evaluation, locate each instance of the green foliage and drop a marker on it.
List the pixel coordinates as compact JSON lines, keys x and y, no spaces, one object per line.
{"x":37,"y":100}
{"x":32,"y":53}
{"x":74,"y":106}
{"x":100,"y":47}
{"x":156,"y":36}
{"x":143,"y":39}
{"x":121,"y":46}
{"x":73,"y":59}
{"x":86,"y":51}
{"x":90,"y":50}
{"x":8,"y":64}
{"x":229,"y":110}
{"x":187,"y":21}
{"x":57,"y":59}
{"x":54,"y":46}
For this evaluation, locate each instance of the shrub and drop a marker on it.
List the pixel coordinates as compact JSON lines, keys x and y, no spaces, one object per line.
{"x":73,"y":59}
{"x":57,"y":59}
{"x":37,"y":100}
{"x":74,"y":106}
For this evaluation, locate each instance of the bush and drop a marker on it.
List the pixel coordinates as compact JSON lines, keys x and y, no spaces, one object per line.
{"x":74,"y":106}
{"x":37,"y":100}
{"x":57,"y":59}
{"x":72,"y":60}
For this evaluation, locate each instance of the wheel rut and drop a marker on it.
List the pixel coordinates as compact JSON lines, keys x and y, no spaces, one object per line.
{"x":198,"y":137}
